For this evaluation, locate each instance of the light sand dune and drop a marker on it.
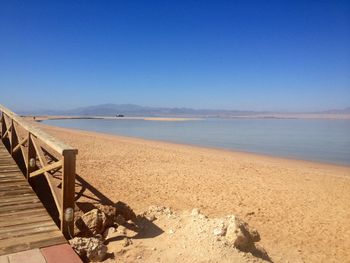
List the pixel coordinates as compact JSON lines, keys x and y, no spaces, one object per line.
{"x":301,"y":209}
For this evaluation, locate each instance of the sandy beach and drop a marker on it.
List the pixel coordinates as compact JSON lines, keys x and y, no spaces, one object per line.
{"x":300,"y":208}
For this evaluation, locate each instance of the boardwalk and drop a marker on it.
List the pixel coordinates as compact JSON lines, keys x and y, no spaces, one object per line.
{"x":24,"y":222}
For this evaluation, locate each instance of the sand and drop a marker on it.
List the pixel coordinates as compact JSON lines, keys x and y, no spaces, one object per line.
{"x":301,"y":209}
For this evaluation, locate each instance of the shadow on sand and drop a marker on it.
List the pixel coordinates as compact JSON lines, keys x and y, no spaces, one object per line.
{"x":88,"y":198}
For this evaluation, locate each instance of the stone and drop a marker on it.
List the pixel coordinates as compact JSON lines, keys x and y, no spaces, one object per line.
{"x":95,"y":220}
{"x":195,"y":212}
{"x":234,"y":234}
{"x":243,"y":237}
{"x":151,"y":218}
{"x":251,"y":233}
{"x":122,"y":230}
{"x":220,"y":230}
{"x":120,"y":220}
{"x":80,"y":229}
{"x":202,"y":216}
{"x":127,"y":242}
{"x":110,"y":212}
{"x":254,"y":234}
{"x":108,"y":232}
{"x":91,"y":248}
{"x":125,"y":211}
{"x":157,"y":211}
{"x":107,"y":209}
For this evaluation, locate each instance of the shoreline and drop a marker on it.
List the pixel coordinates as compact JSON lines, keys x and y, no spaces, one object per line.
{"x":237,"y":151}
{"x":273,"y":116}
{"x":145,"y":118}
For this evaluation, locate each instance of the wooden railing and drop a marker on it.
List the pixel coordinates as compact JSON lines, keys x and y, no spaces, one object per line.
{"x":41,"y":154}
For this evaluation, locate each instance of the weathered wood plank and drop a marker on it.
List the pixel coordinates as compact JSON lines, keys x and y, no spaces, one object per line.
{"x":8,"y":246}
{"x":15,"y":149}
{"x":56,"y":193}
{"x":68,"y":187}
{"x":24,"y":222}
{"x":47,"y":168}
{"x":21,"y":213}
{"x":16,"y":201}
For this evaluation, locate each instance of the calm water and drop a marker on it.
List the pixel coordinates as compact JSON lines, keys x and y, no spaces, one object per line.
{"x":318,"y":140}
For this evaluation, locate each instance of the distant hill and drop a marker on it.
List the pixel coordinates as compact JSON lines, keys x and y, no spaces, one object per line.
{"x":137,"y":110}
{"x":342,"y":111}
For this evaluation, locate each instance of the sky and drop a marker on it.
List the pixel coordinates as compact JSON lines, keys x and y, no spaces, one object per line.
{"x":244,"y":55}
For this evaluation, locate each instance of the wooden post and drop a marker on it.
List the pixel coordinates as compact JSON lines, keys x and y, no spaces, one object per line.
{"x":31,"y":154}
{"x":14,"y":138}
{"x":3,"y":124}
{"x":68,"y":190}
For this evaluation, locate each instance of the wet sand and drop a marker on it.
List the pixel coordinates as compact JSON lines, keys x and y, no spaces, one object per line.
{"x":300,"y":208}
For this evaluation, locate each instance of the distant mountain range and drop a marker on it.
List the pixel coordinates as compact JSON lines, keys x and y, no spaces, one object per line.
{"x":343,"y":111}
{"x":137,"y":110}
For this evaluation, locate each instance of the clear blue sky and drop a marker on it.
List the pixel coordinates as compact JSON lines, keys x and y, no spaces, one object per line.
{"x":258,"y":55}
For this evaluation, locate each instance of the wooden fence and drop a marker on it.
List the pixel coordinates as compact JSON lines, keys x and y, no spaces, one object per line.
{"x":41,"y":154}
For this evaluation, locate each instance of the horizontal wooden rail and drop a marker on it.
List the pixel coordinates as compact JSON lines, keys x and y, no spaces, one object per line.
{"x":55,"y":144}
{"x":41,"y":154}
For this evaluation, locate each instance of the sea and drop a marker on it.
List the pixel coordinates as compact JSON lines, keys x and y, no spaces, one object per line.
{"x":314,"y":140}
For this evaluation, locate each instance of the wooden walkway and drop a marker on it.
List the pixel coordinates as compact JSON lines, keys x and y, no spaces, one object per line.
{"x":24,"y":222}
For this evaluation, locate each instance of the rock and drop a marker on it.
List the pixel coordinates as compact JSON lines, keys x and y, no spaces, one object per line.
{"x":80,"y":229}
{"x":254,"y":234}
{"x":243,"y":237}
{"x":151,"y":218}
{"x":220,"y":230}
{"x":91,"y":249}
{"x":250,"y":213}
{"x":95,"y":220}
{"x":251,"y":233}
{"x":108,"y":232}
{"x":202,"y":216}
{"x":235,"y":237}
{"x":127,"y":242}
{"x":120,"y":220}
{"x":107,"y":209}
{"x":234,"y":234}
{"x":157,"y":211}
{"x":110,"y":212}
{"x":195,"y":212}
{"x":121,"y":230}
{"x":125,"y":211}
